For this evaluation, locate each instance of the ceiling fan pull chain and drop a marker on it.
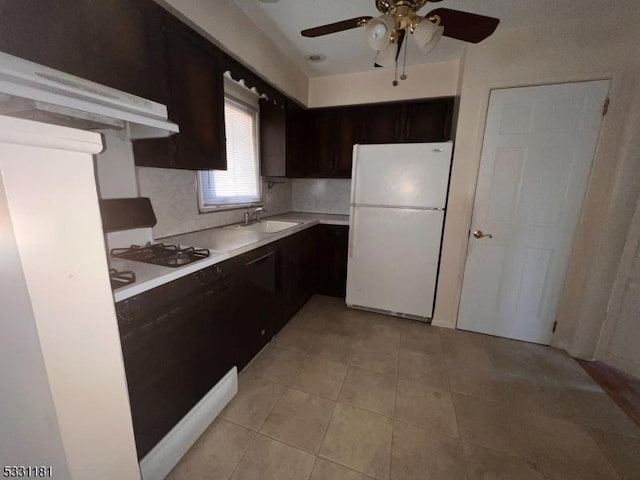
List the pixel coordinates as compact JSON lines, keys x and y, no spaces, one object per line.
{"x":395,"y":76}
{"x":404,"y":61}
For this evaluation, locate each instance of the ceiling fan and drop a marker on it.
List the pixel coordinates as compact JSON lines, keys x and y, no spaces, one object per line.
{"x":386,"y":33}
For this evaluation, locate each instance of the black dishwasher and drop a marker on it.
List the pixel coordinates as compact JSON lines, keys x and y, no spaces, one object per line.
{"x":260,"y":307}
{"x":178,"y":340}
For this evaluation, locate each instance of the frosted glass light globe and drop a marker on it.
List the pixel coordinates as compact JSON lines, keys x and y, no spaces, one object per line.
{"x":379,"y":31}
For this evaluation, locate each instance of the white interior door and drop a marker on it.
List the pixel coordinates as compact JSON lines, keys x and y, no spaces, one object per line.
{"x":538,"y":147}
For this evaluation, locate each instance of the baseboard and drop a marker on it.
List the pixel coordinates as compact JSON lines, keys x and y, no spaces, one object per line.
{"x":388,"y":312}
{"x":157,"y":464}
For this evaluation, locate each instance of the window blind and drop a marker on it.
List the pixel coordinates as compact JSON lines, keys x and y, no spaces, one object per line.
{"x":240,"y":183}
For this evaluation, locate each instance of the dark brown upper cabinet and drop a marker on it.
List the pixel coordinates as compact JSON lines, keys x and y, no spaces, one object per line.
{"x":295,"y":138}
{"x":349,"y":122}
{"x":320,"y":155}
{"x":197,"y":99}
{"x":428,"y":121}
{"x":117,"y":43}
{"x":408,"y":122}
{"x":196,"y":105}
{"x":48,"y":33}
{"x":273,"y":127}
{"x":382,"y":123}
{"x":324,"y":137}
{"x":125,"y":47}
{"x":328,"y":138}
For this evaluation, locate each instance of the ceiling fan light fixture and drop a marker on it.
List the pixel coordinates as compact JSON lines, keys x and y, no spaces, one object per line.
{"x":379,"y":30}
{"x":387,"y":57}
{"x":427,"y":34}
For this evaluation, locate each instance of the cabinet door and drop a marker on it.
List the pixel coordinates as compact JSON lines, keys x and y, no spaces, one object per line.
{"x":125,"y":48}
{"x":272,"y":139}
{"x":119,"y":43}
{"x":48,"y":33}
{"x":297,"y":271}
{"x":381,"y":124}
{"x":332,"y":243}
{"x":428,"y":121}
{"x":320,"y":141}
{"x":295,"y":130}
{"x":197,"y":100}
{"x":348,"y":123}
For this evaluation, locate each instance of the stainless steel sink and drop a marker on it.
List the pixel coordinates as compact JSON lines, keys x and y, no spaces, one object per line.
{"x":266,"y":226}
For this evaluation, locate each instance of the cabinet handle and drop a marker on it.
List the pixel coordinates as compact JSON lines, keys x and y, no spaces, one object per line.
{"x":407,"y":131}
{"x":397,"y":133}
{"x":260,"y":259}
{"x":263,"y":332}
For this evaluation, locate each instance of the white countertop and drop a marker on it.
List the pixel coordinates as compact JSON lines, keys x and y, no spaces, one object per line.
{"x":222,"y":242}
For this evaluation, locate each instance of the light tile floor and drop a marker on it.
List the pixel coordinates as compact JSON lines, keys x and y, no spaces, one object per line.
{"x":341,"y":394}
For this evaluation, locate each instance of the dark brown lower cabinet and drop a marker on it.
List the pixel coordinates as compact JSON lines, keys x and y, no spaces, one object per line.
{"x":298,"y":272}
{"x":179,"y":339}
{"x":332,"y":243}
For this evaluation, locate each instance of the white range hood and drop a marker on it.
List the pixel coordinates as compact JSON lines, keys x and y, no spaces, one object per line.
{"x":36,"y":92}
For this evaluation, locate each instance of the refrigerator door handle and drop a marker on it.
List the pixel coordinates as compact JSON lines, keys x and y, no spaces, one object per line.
{"x":351,"y":229}
{"x":354,"y":171}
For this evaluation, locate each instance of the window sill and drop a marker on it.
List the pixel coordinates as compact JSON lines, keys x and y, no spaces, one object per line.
{"x":224,"y":208}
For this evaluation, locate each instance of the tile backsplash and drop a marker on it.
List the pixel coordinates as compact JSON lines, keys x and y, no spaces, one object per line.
{"x":174,"y":198}
{"x":321,"y":195}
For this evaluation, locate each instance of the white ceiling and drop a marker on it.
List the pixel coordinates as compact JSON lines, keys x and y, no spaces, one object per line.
{"x":348,"y":51}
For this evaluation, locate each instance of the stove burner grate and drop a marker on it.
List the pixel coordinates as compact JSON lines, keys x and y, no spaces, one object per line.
{"x":161,"y":254}
{"x":121,"y":278}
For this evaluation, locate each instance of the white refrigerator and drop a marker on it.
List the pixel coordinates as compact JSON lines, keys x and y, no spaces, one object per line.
{"x":398,"y":199}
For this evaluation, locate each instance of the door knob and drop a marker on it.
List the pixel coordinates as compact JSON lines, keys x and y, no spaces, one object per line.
{"x":479,"y":234}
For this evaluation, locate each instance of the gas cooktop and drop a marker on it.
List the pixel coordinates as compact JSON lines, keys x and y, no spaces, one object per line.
{"x":121,"y":278}
{"x":161,"y":254}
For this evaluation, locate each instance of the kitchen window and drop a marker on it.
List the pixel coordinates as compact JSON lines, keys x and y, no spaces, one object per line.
{"x":239,"y":186}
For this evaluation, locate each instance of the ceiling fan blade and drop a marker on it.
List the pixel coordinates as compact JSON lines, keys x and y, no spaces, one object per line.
{"x":465,"y":26}
{"x":336,"y":27}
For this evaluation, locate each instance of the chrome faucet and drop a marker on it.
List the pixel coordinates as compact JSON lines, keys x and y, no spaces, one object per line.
{"x":258,"y":213}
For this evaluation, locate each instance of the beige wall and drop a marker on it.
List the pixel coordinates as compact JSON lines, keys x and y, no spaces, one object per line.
{"x":225,"y":24}
{"x":570,"y":51}
{"x":423,"y":81}
{"x":618,"y":345}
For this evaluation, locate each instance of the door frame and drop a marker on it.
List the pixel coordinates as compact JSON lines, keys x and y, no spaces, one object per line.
{"x":487,"y":90}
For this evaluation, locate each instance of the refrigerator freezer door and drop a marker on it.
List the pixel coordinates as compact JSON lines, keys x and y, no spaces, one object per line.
{"x":393,"y":259}
{"x":401,"y":175}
